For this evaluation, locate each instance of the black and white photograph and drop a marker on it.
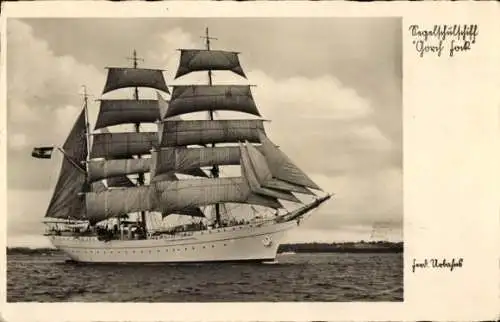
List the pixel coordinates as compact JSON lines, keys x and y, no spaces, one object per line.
{"x":204,"y":160}
{"x":265,"y":161}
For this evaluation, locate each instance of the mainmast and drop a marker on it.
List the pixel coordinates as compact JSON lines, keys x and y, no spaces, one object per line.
{"x":137,"y":126}
{"x":215,"y":167}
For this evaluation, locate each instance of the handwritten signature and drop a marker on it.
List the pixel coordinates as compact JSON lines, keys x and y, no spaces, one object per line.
{"x":437,"y":263}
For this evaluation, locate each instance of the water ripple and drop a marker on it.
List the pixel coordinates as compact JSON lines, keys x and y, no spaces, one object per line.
{"x":300,"y":277}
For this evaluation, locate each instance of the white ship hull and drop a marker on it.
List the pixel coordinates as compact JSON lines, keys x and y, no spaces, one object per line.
{"x":239,"y":243}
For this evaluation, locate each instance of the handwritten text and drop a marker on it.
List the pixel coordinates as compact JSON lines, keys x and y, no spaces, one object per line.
{"x":437,"y":263}
{"x":443,"y":39}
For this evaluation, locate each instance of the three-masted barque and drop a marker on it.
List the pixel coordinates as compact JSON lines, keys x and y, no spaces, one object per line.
{"x":113,"y":184}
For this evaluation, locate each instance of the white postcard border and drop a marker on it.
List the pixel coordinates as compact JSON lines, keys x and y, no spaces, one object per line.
{"x":451,"y":186}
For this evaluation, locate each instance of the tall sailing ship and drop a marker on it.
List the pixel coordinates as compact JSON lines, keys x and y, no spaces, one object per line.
{"x":116,"y":188}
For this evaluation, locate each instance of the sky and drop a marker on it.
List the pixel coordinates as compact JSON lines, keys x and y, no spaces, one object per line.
{"x":332,"y":88}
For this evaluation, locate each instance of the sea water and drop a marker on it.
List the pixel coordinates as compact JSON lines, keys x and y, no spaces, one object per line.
{"x":292,"y":277}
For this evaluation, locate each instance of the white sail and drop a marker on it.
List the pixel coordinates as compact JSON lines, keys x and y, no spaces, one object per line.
{"x":196,"y":98}
{"x":282,"y":167}
{"x":177,"y":195}
{"x":123,"y":111}
{"x":117,"y":202}
{"x":182,"y":133}
{"x":122,"y":145}
{"x":179,"y":159}
{"x":66,"y":201}
{"x":193,"y":60}
{"x":249,"y":173}
{"x":102,"y":169}
{"x":122,"y":77}
{"x":265,"y":176}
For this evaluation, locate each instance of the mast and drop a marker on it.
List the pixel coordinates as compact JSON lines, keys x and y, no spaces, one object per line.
{"x":87,"y":126}
{"x":137,"y":126}
{"x":215,"y":167}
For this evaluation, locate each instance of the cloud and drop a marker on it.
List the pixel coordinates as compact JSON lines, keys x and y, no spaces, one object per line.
{"x":43,"y":89}
{"x":43,"y":101}
{"x":322,"y":124}
{"x":17,"y":140}
{"x":165,"y":54}
{"x":315,"y":98}
{"x":26,"y":209}
{"x":361,"y":198}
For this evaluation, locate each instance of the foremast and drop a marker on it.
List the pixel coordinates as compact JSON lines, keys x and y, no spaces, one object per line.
{"x":116,"y":155}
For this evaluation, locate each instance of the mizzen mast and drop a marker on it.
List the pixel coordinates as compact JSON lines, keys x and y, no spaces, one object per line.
{"x":88,"y":134}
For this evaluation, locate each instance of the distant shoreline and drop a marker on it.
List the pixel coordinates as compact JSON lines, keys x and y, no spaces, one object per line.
{"x":347,"y":247}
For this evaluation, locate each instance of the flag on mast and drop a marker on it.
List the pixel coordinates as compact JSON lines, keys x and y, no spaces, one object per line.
{"x":42,"y":152}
